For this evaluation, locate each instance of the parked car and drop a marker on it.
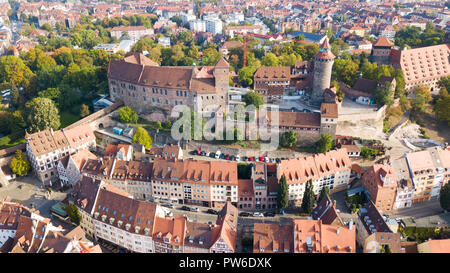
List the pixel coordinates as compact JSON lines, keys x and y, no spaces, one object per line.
{"x":251,"y":159}
{"x":222,"y":156}
{"x":194,"y":152}
{"x":207,"y":154}
{"x":194,"y":209}
{"x":218,"y":153}
{"x":199,"y":152}
{"x":168,"y":205}
{"x":244,"y":214}
{"x":266,"y":159}
{"x":269,"y":214}
{"x":244,"y":158}
{"x":203,"y":153}
{"x":185,"y":208}
{"x":232,"y":158}
{"x":237,"y":158}
{"x":258,"y":214}
{"x":212,"y":155}
{"x":277,"y":160}
{"x":211,"y":211}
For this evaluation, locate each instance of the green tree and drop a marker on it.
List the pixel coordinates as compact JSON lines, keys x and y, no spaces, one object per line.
{"x":84,"y":110}
{"x":42,"y":114}
{"x":308,"y":198}
{"x":141,"y":136}
{"x":325,"y":143}
{"x":20,"y":164}
{"x":325,"y":191}
{"x":384,"y":95}
{"x":422,"y":97}
{"x":283,"y":194}
{"x":368,"y":152}
{"x":246,"y":75}
{"x":442,"y":109}
{"x":270,"y":60}
{"x":51,"y":93}
{"x":168,"y":124}
{"x":244,"y":170}
{"x":253,"y":98}
{"x":288,"y":139}
{"x":73,"y":213}
{"x":128,"y":115}
{"x":210,"y":56}
{"x":345,"y":70}
{"x":444,"y":197}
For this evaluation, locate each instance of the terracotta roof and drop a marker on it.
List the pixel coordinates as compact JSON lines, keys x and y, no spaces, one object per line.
{"x":198,"y":232}
{"x":311,"y":236}
{"x":272,"y":238}
{"x":329,"y":110}
{"x":326,"y":211}
{"x":84,"y":193}
{"x":222,"y":63}
{"x":81,"y":156}
{"x":173,"y":230}
{"x":296,"y":119}
{"x":273,"y":73}
{"x":245,"y":188}
{"x":139,"y":58}
{"x":365,"y":85}
{"x":232,"y":44}
{"x":79,"y":135}
{"x":383,"y":41}
{"x":423,"y":63}
{"x":435,"y":246}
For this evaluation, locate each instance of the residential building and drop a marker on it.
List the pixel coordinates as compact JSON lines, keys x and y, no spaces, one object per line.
{"x":331,"y":169}
{"x":434,"y":246}
{"x":383,"y":242}
{"x":69,"y":167}
{"x":169,"y":234}
{"x":326,"y":212}
{"x":405,"y":186}
{"x":312,"y":236}
{"x":135,"y":33}
{"x":214,"y":26}
{"x":380,"y":184}
{"x":272,"y":238}
{"x":197,"y":25}
{"x":369,"y":221}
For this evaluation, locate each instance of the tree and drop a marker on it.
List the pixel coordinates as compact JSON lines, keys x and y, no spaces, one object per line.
{"x":168,"y":124}
{"x":325,"y":143}
{"x":308,"y":198}
{"x":42,"y":114}
{"x":73,"y":213}
{"x":84,"y":111}
{"x":384,"y":95}
{"x":442,"y":109}
{"x":444,"y":197}
{"x":20,"y":164}
{"x":422,"y":97}
{"x":368,"y":152}
{"x":51,"y":93}
{"x":288,"y":139}
{"x":244,"y":170}
{"x":141,"y":136}
{"x":345,"y":70}
{"x":283,"y":194}
{"x":270,"y":60}
{"x":210,"y":56}
{"x":128,"y":115}
{"x":325,"y":191}
{"x":253,"y":98}
{"x":246,"y":75}
{"x":339,"y":93}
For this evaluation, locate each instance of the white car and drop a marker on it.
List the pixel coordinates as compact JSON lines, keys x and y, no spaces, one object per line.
{"x":258,"y":214}
{"x":217,"y":154}
{"x":238,"y":158}
{"x":266,"y":159}
{"x":207,"y":154}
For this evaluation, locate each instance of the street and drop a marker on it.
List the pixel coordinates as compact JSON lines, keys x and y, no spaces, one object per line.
{"x":418,"y":210}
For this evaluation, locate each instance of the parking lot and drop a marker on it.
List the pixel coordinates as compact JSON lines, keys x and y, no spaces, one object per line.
{"x":202,"y":155}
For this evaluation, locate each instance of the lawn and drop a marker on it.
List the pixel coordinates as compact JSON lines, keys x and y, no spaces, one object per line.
{"x":11,"y":140}
{"x":68,"y":118}
{"x":422,"y":234}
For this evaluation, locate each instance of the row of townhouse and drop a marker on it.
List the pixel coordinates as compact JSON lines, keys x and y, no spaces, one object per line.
{"x":331,"y":169}
{"x":207,"y":183}
{"x":112,"y":215}
{"x":23,"y":230}
{"x":46,"y":148}
{"x":415,"y":177}
{"x":213,"y":183}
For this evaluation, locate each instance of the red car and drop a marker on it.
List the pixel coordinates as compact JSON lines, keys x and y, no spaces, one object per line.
{"x":251,"y":159}
{"x":261,"y":159}
{"x":199,"y":152}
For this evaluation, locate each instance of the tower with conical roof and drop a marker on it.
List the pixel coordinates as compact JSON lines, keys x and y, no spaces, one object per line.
{"x":323,"y":64}
{"x":221,"y":75}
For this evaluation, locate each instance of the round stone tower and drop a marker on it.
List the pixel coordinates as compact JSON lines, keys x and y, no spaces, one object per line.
{"x":323,"y":64}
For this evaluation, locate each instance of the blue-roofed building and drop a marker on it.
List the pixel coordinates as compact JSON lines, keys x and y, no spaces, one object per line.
{"x":309,"y":37}
{"x":101,"y":103}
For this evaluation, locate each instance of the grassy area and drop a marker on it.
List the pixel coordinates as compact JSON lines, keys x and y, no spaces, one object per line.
{"x":433,"y":128}
{"x":393,"y":117}
{"x":67,"y":118}
{"x":307,"y":149}
{"x":422,"y":234}
{"x":12,"y":140}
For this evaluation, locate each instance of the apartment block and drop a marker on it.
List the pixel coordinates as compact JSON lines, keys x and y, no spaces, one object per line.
{"x":381,"y":186}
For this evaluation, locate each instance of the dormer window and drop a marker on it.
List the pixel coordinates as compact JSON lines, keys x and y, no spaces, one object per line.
{"x":136,"y":229}
{"x":96,"y":215}
{"x":103,"y":217}
{"x":127,"y":226}
{"x":111,"y":220}
{"x":119,"y":223}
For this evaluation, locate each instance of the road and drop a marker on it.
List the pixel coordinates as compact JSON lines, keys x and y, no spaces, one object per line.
{"x":419,"y":210}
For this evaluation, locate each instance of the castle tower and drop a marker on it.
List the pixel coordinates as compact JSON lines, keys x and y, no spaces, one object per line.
{"x":381,"y":51}
{"x":323,"y":64}
{"x":221,"y":75}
